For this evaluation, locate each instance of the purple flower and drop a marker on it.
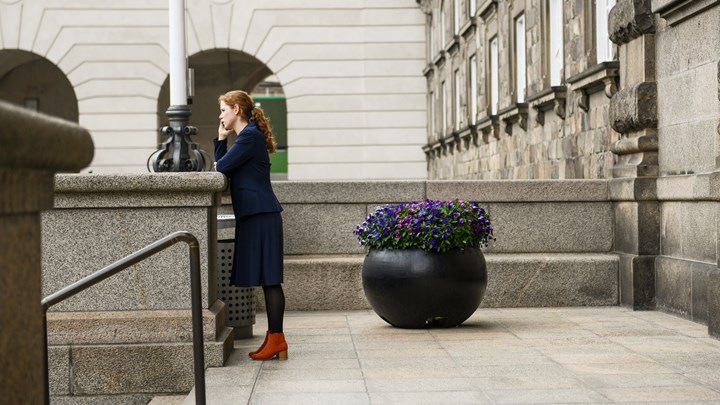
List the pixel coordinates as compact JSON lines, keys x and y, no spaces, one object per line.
{"x":428,"y":224}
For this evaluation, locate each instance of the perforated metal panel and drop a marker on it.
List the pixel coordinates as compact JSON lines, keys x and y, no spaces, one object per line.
{"x":239,"y":301}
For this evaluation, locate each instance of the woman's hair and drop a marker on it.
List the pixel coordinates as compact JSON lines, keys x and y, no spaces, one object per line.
{"x":250,"y":112}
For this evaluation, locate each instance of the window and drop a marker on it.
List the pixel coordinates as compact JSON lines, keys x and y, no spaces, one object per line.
{"x":556,"y":42}
{"x":603,"y":45}
{"x":442,"y":23}
{"x":473,"y":88}
{"x":443,"y":103}
{"x":432,"y":36}
{"x":456,"y":99}
{"x":32,"y":104}
{"x":494,"y":78}
{"x":456,"y":17}
{"x":520,"y":61}
{"x":432,"y":115}
{"x":472,"y":8}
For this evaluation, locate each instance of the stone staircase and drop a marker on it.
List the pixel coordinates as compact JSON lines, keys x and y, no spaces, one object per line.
{"x":105,"y":355}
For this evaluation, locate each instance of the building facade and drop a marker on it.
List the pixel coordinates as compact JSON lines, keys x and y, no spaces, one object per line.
{"x":519,"y":89}
{"x":351,"y":73}
{"x":626,"y":90}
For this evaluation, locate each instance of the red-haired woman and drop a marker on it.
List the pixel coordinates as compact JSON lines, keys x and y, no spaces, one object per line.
{"x":258,"y":257}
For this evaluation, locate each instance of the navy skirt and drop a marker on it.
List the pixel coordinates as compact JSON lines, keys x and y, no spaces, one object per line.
{"x":258,"y":257}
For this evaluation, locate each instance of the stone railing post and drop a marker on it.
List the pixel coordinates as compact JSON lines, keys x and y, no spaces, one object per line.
{"x":633,"y":113}
{"x":32,"y":148}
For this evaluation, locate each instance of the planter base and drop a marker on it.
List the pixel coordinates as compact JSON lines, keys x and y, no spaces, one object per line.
{"x":416,"y":289}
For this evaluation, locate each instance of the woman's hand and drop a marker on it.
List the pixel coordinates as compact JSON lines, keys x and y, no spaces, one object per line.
{"x":222,"y":132}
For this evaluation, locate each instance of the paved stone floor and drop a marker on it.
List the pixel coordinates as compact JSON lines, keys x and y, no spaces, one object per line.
{"x":606,"y":355}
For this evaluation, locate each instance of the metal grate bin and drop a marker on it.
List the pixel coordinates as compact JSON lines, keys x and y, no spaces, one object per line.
{"x":240,"y":302}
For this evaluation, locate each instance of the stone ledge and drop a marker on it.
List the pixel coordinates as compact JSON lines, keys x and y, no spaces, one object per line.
{"x":545,"y":280}
{"x":122,"y":327}
{"x":139,"y":399}
{"x":552,"y":98}
{"x":348,"y":191}
{"x":322,"y":283}
{"x":141,"y":199}
{"x":633,"y":189}
{"x":677,"y":11}
{"x":137,"y":183}
{"x":139,"y":190}
{"x":520,"y":190}
{"x":515,"y":280}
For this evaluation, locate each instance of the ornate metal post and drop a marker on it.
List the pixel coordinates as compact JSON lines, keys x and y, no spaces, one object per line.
{"x":178,"y":153}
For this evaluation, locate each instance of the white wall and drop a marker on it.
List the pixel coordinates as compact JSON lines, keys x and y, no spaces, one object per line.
{"x":351,"y":70}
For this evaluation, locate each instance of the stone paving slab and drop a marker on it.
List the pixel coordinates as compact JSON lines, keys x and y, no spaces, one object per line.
{"x":589,"y":355}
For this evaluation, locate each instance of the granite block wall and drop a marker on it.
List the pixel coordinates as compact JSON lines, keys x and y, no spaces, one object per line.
{"x":545,"y":253}
{"x":556,"y":131}
{"x":130,"y":335}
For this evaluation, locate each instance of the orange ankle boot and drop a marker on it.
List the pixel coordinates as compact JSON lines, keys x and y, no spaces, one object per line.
{"x":275,"y":346}
{"x":261,"y":346}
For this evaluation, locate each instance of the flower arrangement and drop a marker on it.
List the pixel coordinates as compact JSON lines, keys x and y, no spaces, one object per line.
{"x":436,"y":226}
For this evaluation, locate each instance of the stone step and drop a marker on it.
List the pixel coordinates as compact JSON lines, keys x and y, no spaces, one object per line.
{"x":109,"y":353}
{"x":168,"y":400}
{"x":514,"y":280}
{"x":148,"y":368}
{"x":116,"y":327}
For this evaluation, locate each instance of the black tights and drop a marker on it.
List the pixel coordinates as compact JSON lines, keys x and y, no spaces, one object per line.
{"x":275,"y":306}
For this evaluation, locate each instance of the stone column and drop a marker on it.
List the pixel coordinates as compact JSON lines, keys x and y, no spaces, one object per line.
{"x":33,"y":148}
{"x":633,"y":113}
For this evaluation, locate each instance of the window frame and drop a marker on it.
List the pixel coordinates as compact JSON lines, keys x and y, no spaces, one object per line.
{"x":456,"y":100}
{"x":442,"y":23}
{"x":494,"y":74}
{"x":555,"y":33}
{"x":443,"y":94}
{"x":473,"y":91}
{"x":601,"y":31}
{"x":520,"y":58}
{"x":456,"y":17}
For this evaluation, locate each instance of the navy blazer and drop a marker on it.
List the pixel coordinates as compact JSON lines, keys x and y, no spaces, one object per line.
{"x":247,"y":166}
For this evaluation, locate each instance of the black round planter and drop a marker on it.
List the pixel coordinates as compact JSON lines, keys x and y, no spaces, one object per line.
{"x":411,"y":288}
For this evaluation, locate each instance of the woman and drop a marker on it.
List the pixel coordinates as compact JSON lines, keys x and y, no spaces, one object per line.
{"x":258,"y":258}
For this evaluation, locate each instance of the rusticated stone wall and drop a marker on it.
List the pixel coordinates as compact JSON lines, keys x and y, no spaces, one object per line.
{"x":687,"y":68}
{"x":557,"y":131}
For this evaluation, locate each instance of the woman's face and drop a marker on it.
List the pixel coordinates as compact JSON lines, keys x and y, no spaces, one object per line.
{"x":228,"y":117}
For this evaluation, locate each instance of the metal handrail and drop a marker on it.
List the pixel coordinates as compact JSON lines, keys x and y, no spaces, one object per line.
{"x":125,"y":262}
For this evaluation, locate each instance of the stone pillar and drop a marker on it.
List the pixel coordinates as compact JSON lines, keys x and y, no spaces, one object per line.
{"x":33,"y":148}
{"x":633,"y":113}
